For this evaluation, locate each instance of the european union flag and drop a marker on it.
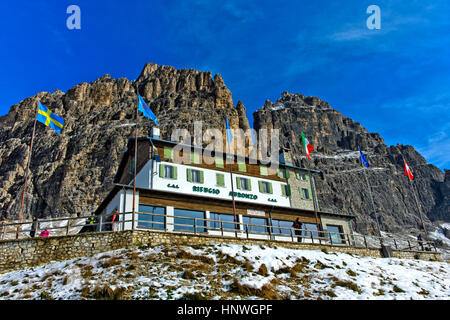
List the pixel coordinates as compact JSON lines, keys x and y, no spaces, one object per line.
{"x":229,"y":134}
{"x":146,"y":110}
{"x":363,"y":159}
{"x":50,"y":119}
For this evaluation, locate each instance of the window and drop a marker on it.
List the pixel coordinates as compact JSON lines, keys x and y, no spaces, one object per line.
{"x":223,"y":219}
{"x":301,"y":176}
{"x":280,"y":225}
{"x":242,"y":167}
{"x":195,"y":176}
{"x":131,"y":167}
{"x":243,"y":184}
{"x":219,"y":162}
{"x":285,"y":190}
{"x":265,"y":187}
{"x":220,"y":180}
{"x":304,"y":193}
{"x":263,"y":171}
{"x":167,"y":172}
{"x":255,"y":224}
{"x":283,"y":173}
{"x":312,"y":229}
{"x":168,"y":152}
{"x":195,"y":157}
{"x":336,"y":234}
{"x":184,"y":220}
{"x":154,"y":220}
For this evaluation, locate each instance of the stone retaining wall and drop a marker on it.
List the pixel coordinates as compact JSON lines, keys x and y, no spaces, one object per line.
{"x":18,"y":254}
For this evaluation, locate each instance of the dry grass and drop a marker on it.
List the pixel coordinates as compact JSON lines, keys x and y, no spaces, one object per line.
{"x":346,"y":284}
{"x":267,"y":291}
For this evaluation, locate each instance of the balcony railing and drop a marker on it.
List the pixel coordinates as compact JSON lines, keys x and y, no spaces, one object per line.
{"x":197,"y":226}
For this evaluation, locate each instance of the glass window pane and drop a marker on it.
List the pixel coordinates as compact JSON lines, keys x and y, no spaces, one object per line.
{"x":222,"y":218}
{"x":154,"y":220}
{"x":184,"y":220}
{"x":255,"y":224}
{"x":280,"y":225}
{"x":335,"y":237}
{"x":309,"y":226}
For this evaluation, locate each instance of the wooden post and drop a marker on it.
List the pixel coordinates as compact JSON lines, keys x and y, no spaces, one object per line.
{"x":26,"y":173}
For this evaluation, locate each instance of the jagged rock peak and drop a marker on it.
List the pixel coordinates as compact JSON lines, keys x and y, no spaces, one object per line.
{"x":296,"y":100}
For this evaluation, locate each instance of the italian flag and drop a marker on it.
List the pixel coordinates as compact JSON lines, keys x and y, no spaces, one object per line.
{"x":408,"y":171}
{"x":308,"y":146}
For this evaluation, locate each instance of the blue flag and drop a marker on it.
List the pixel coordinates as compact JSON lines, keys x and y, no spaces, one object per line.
{"x":50,"y":119}
{"x":146,"y":110}
{"x":363,"y":159}
{"x":229,"y":134}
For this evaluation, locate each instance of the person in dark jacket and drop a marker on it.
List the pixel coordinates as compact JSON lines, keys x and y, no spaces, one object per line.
{"x":34,"y":226}
{"x":297,"y":225}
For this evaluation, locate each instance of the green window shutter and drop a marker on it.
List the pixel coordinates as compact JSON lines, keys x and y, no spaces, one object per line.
{"x":270,"y":188}
{"x":195,"y":157}
{"x":288,"y":190}
{"x":175,"y":172}
{"x":283,"y":190}
{"x":307,"y":194}
{"x":260,"y":186}
{"x":263,"y":171}
{"x":288,"y":174}
{"x":249,"y":184}
{"x":279,"y":173}
{"x":297,"y":175}
{"x":219,"y":162}
{"x":238,"y":183}
{"x":188,"y":175}
{"x":242,"y":167}
{"x":202,"y":177}
{"x":161,"y":170}
{"x":168,"y":152}
{"x":306,"y":177}
{"x":220,"y":179}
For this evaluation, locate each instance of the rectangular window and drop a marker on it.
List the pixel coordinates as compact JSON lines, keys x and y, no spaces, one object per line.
{"x":219,"y":162}
{"x":189,"y":220}
{"x":195,"y":176}
{"x":168,"y":152}
{"x":131,"y":167}
{"x":255,"y":225}
{"x":304,"y":193}
{"x":301,"y":176}
{"x":195,"y":157}
{"x":336,"y":234}
{"x":221,"y":220}
{"x":285,"y":190}
{"x":167,"y":172}
{"x":220,"y":180}
{"x":263,"y":171}
{"x":281,"y":226}
{"x":242,"y":167}
{"x":155,"y":219}
{"x":243,"y":184}
{"x":312,"y":229}
{"x":265,"y":187}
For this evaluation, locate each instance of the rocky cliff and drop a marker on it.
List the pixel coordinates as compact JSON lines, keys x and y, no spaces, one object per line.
{"x":71,"y":173}
{"x":342,"y":187}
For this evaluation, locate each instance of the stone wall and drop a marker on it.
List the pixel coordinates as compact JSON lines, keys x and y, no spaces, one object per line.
{"x":18,"y":254}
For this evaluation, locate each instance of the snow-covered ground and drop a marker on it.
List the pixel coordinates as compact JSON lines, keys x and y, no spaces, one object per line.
{"x":229,"y":272}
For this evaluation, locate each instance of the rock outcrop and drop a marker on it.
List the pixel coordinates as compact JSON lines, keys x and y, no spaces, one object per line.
{"x":342,"y":187}
{"x":71,"y":173}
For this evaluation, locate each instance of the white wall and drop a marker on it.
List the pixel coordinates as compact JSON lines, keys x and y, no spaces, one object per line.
{"x":186,"y":187}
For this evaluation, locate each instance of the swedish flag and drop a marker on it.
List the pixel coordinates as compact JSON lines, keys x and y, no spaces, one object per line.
{"x":50,"y":119}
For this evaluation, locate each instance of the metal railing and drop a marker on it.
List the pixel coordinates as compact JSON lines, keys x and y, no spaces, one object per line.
{"x":191,"y":225}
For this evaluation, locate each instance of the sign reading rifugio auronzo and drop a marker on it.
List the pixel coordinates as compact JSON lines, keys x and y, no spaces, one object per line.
{"x":244,"y":195}
{"x":205,"y":190}
{"x":256,"y":213}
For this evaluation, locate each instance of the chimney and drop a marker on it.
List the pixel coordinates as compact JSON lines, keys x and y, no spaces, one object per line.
{"x":154,"y":133}
{"x":285,"y":156}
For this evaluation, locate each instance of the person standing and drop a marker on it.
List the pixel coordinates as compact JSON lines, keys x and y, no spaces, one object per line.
{"x":297,"y":225}
{"x":115,"y":220}
{"x":34,"y":226}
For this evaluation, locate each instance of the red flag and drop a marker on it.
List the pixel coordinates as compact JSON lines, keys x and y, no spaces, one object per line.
{"x":408,"y":171}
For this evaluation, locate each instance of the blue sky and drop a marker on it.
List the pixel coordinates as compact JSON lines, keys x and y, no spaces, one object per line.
{"x":394,"y":81}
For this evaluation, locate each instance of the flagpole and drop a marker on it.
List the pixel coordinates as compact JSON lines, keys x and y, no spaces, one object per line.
{"x":369,"y":188}
{"x":135,"y":162}
{"x":232,"y":188}
{"x":26,"y":173}
{"x":415,"y":197}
